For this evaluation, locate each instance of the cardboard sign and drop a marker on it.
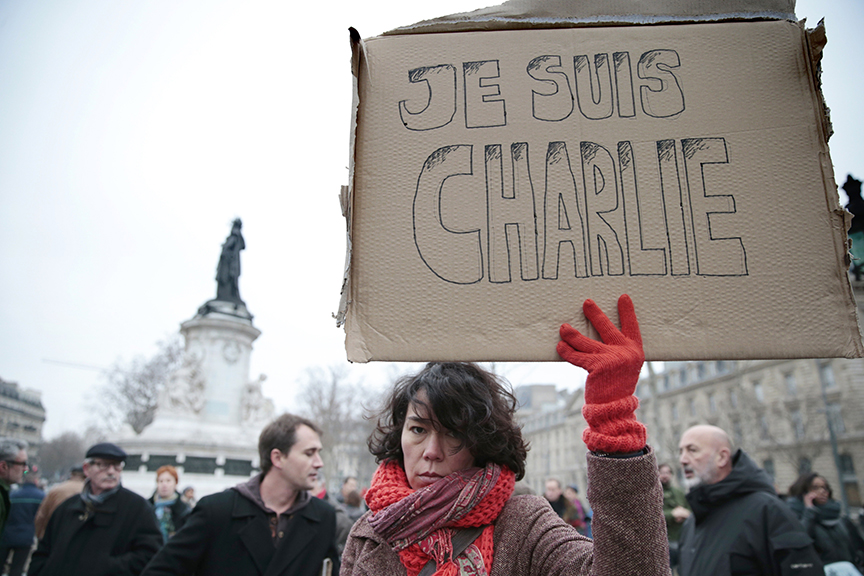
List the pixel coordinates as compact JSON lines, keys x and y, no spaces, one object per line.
{"x":501,"y":178}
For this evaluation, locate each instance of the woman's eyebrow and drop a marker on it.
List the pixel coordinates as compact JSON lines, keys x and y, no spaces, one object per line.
{"x":419,"y":419}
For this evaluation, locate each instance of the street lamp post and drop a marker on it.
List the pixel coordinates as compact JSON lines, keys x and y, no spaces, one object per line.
{"x":832,"y":435}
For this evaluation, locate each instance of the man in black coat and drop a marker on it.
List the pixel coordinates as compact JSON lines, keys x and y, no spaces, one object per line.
{"x":738,"y":525}
{"x":270,"y":525}
{"x":106,"y":530}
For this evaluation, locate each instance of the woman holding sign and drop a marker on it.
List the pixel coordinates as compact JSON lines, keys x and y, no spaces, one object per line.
{"x":450,"y":452}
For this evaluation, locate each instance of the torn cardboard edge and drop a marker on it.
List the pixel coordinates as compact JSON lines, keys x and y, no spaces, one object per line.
{"x":521,"y":14}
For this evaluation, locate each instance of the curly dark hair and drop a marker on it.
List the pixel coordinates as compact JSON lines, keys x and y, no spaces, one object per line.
{"x":474,"y":404}
{"x":801,"y":486}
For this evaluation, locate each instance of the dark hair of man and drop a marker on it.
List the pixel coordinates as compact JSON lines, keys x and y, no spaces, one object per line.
{"x":353,"y":498}
{"x":472,"y":403}
{"x":804,"y":482}
{"x":280,"y":434}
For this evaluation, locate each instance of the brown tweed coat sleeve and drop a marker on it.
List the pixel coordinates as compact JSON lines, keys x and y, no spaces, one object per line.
{"x":531,"y":540}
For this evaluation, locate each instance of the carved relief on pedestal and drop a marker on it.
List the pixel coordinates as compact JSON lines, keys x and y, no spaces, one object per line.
{"x":255,"y":407}
{"x":184,"y":391}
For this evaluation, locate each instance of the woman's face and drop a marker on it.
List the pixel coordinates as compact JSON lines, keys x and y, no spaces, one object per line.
{"x":165,"y":484}
{"x":430,"y":451}
{"x":820,"y":487}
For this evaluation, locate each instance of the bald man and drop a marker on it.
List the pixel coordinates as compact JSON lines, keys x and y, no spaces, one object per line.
{"x":738,"y":525}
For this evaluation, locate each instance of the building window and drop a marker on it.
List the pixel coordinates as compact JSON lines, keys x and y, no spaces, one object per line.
{"x":156,"y":461}
{"x":763,"y":424}
{"x":826,"y":375}
{"x":804,"y":465}
{"x":692,"y":406}
{"x":199,"y":465}
{"x":849,"y":480}
{"x":733,"y":398}
{"x":847,"y":466}
{"x":700,"y":370}
{"x":836,"y":418}
{"x":791,"y":385}
{"x":768,"y":466}
{"x":237,"y":467}
{"x":683,"y":377}
{"x":797,"y":422}
{"x":712,"y":403}
{"x":737,"y":432}
{"x":674,"y":412}
{"x":721,"y":367}
{"x":759,"y":392}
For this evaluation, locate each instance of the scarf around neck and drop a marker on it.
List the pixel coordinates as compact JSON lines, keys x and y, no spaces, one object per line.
{"x":96,"y":499}
{"x":827,"y":514}
{"x":419,"y":524}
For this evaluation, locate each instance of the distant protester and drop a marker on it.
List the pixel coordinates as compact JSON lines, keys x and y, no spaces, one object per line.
{"x":675,"y":509}
{"x":571,"y":492}
{"x":837,"y":540}
{"x":56,"y":496}
{"x":354,"y":507}
{"x":738,"y":525}
{"x":106,"y":529}
{"x":189,"y":496}
{"x":168,"y":505}
{"x":13,"y":465}
{"x":18,"y":535}
{"x":563,"y":506}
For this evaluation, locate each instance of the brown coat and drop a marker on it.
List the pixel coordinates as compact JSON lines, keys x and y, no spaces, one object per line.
{"x":55,"y":497}
{"x":531,"y":540}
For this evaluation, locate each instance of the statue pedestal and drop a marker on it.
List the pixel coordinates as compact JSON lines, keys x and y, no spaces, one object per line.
{"x":210,"y":414}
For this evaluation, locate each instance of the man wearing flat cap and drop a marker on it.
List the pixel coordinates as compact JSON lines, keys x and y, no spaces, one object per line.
{"x":106,"y":530}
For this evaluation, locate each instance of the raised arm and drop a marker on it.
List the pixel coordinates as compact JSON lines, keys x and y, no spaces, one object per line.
{"x":623,"y":487}
{"x":613,"y":367}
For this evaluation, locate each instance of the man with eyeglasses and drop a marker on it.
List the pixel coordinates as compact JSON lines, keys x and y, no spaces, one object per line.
{"x":107,"y":530}
{"x":13,"y":465}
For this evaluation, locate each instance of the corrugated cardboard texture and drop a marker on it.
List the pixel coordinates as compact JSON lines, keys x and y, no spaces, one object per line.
{"x":500,"y":178}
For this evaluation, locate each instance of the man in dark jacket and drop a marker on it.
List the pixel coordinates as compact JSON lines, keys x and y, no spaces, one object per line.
{"x":738,"y":525}
{"x":107,"y":530}
{"x":20,"y":530}
{"x":268,"y":526}
{"x":13,"y":465}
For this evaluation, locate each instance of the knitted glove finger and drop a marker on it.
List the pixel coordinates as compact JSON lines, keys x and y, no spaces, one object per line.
{"x":604,"y":326}
{"x":629,"y":324}
{"x":572,"y":339}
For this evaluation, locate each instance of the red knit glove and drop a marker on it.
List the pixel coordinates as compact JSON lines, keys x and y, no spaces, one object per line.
{"x":613,"y":367}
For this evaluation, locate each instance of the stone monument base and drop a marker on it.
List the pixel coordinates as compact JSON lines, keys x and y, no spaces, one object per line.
{"x":208,"y":456}
{"x":210,"y":413}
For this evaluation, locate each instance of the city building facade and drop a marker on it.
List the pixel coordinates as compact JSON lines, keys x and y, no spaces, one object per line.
{"x":21,"y":414}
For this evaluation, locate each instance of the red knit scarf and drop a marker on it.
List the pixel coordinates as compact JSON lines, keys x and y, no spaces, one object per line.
{"x":419,"y":524}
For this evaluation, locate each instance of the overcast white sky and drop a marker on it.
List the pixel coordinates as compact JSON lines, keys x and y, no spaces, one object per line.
{"x":132,"y":133}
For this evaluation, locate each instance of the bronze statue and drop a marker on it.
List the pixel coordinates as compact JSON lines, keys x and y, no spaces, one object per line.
{"x":228,"y":271}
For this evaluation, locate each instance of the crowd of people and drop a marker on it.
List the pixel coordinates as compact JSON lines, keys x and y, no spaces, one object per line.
{"x":444,"y":500}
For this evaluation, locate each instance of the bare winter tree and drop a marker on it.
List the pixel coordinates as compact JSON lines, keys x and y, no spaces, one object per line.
{"x":330,"y":398}
{"x":60,"y":454}
{"x":132,"y":391}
